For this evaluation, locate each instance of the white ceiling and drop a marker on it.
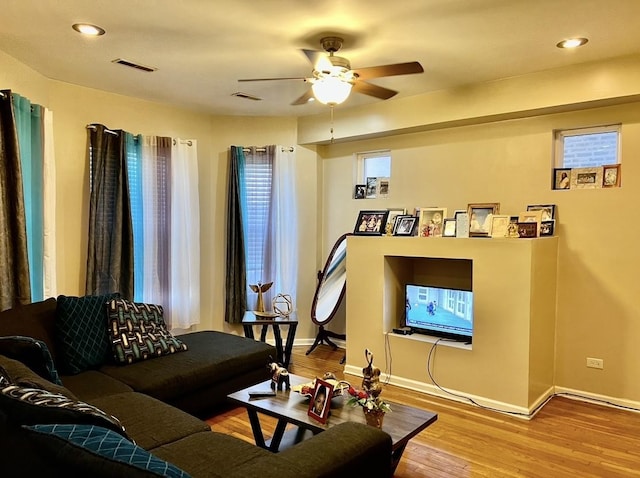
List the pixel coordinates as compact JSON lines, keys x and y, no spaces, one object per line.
{"x":202,"y":47}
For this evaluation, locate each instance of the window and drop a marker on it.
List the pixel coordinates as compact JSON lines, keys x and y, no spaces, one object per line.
{"x":258,"y":178}
{"x":375,"y":164}
{"x":587,"y":147}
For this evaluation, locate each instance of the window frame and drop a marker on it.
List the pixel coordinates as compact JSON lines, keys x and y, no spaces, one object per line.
{"x":361,"y":159}
{"x":560,"y":134}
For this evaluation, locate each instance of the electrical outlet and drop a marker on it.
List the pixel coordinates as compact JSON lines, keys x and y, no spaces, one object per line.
{"x":595,"y":363}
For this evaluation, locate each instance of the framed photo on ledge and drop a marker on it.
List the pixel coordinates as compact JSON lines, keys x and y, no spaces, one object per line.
{"x":431,"y":221}
{"x":404,"y":225}
{"x":371,"y":223}
{"x":611,"y":176}
{"x":481,"y":217}
{"x":320,"y":403}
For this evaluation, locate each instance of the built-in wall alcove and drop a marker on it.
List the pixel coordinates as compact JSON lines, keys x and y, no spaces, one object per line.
{"x":448,"y":273}
{"x":511,"y":362}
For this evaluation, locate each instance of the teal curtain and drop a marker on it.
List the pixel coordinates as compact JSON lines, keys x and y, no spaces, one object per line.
{"x":133,"y":148}
{"x":236,"y":280}
{"x":30,"y":127}
{"x":14,"y":262}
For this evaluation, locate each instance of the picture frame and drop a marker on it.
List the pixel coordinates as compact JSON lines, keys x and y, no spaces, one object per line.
{"x":431,"y":221}
{"x":611,"y":176}
{"x":372,"y":188}
{"x":562,"y":178}
{"x":320,"y":402}
{"x":480,"y":215}
{"x":382,"y":187}
{"x":547,"y":228}
{"x":404,"y":225}
{"x":449,"y":229}
{"x":391,"y":219}
{"x":371,"y":223}
{"x":586,"y":178}
{"x":528,"y":230}
{"x":531,"y":216}
{"x":359,"y":191}
{"x":548,"y":211}
{"x":499,"y":225}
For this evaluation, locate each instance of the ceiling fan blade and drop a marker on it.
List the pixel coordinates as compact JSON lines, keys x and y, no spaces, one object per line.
{"x":304,"y":99}
{"x":273,"y":79}
{"x":373,"y":90}
{"x":389,"y":70}
{"x":318,"y":59}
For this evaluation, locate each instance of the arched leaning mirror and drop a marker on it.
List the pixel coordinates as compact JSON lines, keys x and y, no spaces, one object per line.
{"x":329,"y":293}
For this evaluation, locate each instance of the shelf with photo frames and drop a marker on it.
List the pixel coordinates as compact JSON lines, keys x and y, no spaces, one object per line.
{"x":607,"y":176}
{"x":478,"y":220}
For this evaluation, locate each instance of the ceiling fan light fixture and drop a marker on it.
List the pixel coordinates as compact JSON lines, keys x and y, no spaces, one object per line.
{"x":331,"y":90}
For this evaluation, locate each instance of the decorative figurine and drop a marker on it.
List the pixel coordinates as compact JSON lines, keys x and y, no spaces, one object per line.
{"x":279,"y":376}
{"x":371,"y":376}
{"x":259,"y":288}
{"x":282,"y":305}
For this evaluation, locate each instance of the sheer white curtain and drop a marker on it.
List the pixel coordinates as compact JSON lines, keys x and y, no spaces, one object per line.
{"x":185,"y":235}
{"x":283,"y":244}
{"x":49,"y":219}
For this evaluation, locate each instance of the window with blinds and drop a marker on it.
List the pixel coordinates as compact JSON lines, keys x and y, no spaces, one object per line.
{"x":258,"y":178}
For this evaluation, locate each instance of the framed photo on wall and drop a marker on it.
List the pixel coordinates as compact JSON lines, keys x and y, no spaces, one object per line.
{"x":431,"y":221}
{"x":371,"y":223}
{"x":611,"y":176}
{"x":480,"y":217}
{"x":360,"y":191}
{"x":320,"y":403}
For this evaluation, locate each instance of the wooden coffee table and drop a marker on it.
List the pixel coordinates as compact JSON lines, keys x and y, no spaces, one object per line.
{"x":288,"y":407}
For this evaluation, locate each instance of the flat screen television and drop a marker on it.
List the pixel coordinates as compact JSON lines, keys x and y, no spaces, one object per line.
{"x":440,"y":312}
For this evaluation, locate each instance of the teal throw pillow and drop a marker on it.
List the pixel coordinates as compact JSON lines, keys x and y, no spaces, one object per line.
{"x":81,"y":332}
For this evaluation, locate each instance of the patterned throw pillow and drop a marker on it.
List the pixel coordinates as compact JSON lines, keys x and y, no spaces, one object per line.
{"x":81,"y":331}
{"x":32,"y":406}
{"x":138,"y":332}
{"x":33,"y":353}
{"x":101,"y":449}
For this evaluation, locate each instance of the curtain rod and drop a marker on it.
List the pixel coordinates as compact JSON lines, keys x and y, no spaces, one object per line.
{"x":290,"y":149}
{"x":184,"y":141}
{"x":93,"y":127}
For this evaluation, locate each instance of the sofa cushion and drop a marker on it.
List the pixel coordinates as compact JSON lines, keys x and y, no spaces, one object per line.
{"x":213,"y":357}
{"x":93,"y":384}
{"x":32,"y":406}
{"x":35,"y":320}
{"x":197,"y":453}
{"x":81,"y":332}
{"x":150,"y":422}
{"x":33,"y":353}
{"x":98,"y":451}
{"x":138,"y":332}
{"x":20,"y":374}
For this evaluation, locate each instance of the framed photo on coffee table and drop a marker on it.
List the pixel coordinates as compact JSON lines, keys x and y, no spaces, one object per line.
{"x":320,"y":402}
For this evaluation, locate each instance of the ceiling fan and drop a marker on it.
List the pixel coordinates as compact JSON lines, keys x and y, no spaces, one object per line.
{"x":332,"y":78}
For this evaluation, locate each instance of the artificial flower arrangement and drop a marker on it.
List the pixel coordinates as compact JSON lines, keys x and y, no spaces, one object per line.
{"x":367,"y":400}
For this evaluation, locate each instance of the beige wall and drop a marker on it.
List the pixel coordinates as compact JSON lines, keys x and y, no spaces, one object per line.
{"x":74,"y":107}
{"x":510,"y":162}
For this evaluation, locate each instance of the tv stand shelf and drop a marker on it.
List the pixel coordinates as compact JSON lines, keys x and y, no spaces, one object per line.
{"x":510,"y":363}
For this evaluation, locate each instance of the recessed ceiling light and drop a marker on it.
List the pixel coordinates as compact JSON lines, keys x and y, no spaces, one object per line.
{"x":88,"y":29}
{"x":572,"y":42}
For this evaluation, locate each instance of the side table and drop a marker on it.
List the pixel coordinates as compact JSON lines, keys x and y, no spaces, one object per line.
{"x":284,"y":353}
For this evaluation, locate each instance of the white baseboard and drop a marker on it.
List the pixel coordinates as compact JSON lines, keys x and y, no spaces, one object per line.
{"x":519,"y":412}
{"x":598,"y":399}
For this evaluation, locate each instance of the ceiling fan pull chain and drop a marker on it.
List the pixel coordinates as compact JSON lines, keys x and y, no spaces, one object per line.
{"x":331,"y":109}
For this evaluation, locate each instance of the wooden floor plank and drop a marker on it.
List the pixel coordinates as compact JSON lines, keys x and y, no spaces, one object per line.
{"x":567,"y":438}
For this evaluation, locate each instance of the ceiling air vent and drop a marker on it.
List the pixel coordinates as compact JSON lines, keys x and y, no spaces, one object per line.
{"x":130,"y":64}
{"x":246,"y":96}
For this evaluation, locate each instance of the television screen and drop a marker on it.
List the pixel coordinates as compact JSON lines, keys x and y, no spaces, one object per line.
{"x":440,"y":312}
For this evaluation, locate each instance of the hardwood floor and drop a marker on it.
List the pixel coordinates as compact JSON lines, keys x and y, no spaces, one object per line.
{"x":567,"y":438}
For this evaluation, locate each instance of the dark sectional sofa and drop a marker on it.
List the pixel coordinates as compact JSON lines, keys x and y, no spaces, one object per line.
{"x":158,"y":402}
